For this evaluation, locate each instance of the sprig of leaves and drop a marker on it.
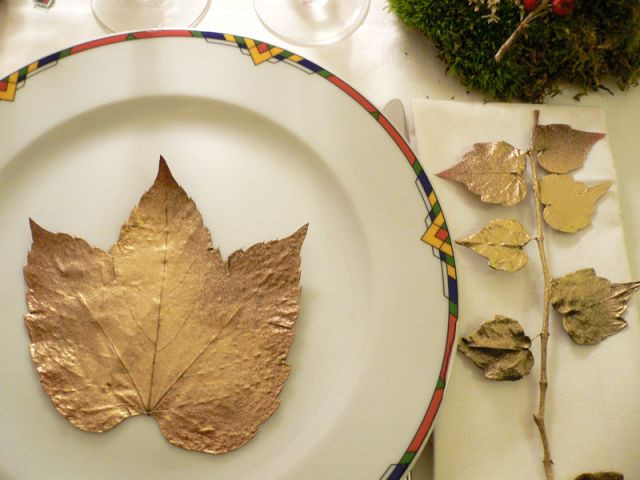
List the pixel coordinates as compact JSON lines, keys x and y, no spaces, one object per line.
{"x":592,"y":307}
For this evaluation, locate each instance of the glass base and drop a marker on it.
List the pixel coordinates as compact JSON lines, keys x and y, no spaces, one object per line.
{"x":125,"y":15}
{"x":311,"y":22}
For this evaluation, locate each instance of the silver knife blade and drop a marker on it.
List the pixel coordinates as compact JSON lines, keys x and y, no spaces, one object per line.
{"x":394,"y":111}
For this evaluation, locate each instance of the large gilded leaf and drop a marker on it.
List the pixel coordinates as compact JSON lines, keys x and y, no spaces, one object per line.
{"x":569,"y":204}
{"x":501,"y":242}
{"x":500,"y":348}
{"x":600,"y":476}
{"x":161,"y":325}
{"x":493,"y":171}
{"x":562,"y":149}
{"x":592,"y":306}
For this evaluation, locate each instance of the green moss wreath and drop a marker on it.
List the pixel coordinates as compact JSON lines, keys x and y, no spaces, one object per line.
{"x":598,"y":44}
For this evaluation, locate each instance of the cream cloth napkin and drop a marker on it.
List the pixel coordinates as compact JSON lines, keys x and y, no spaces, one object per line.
{"x":485,"y":429}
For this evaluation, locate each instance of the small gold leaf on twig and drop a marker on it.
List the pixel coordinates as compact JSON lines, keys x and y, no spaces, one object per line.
{"x":500,"y":348}
{"x":501,"y":242}
{"x":592,"y":307}
{"x":569,"y":204}
{"x":561,"y":148}
{"x":600,"y":476}
{"x":492,"y":170}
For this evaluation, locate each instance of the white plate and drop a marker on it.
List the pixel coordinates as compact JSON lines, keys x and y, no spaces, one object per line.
{"x":264,"y":141}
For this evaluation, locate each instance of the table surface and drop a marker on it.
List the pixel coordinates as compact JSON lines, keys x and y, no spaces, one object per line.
{"x":382,"y":60}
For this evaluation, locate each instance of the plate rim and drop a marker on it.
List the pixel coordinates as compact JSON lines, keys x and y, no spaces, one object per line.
{"x":436,"y":234}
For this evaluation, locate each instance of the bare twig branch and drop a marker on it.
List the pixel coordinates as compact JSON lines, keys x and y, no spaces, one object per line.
{"x":540,"y":10}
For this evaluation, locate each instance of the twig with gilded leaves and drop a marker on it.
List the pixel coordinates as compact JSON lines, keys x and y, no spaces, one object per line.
{"x":591,"y":306}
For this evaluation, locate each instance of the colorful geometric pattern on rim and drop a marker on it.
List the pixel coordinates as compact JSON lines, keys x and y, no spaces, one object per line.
{"x":436,"y":234}
{"x":258,"y":51}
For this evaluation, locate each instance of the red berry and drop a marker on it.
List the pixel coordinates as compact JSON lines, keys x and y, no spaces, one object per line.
{"x":530,"y":5}
{"x":562,"y":7}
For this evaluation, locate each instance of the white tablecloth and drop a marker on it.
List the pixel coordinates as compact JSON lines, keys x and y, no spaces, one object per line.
{"x":382,"y":60}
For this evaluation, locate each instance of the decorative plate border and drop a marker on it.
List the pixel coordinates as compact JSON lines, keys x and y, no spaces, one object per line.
{"x":436,"y":234}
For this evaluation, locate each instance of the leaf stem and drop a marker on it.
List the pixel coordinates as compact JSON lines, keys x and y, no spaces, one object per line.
{"x":537,"y":12}
{"x":539,"y":417}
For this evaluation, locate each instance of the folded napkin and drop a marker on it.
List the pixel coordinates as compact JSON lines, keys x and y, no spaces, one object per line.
{"x":485,"y":429}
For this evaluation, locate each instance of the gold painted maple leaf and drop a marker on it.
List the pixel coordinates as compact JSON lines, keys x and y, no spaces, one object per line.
{"x":161,"y":325}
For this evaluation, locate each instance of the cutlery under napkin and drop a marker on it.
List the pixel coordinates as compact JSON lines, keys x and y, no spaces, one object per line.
{"x":485,"y":429}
